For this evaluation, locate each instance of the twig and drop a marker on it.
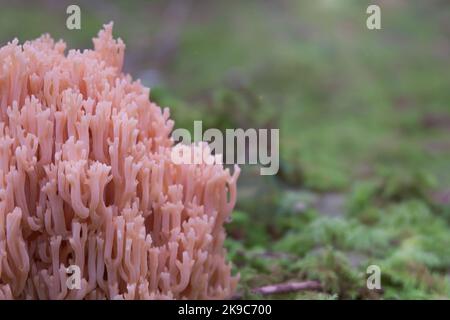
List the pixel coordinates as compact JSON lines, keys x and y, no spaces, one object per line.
{"x":288,"y":287}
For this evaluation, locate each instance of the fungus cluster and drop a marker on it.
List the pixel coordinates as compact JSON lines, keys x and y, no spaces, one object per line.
{"x":86,"y":180}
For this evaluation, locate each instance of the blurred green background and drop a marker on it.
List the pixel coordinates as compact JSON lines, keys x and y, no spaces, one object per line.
{"x":364,"y":119}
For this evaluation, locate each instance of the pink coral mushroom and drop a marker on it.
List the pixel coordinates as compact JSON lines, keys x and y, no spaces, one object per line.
{"x":86,"y":180}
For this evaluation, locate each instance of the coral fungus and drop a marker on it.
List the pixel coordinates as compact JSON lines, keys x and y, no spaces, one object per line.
{"x":86,"y":180}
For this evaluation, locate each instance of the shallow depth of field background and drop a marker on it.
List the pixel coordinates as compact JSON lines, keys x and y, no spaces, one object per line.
{"x":364,"y":119}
